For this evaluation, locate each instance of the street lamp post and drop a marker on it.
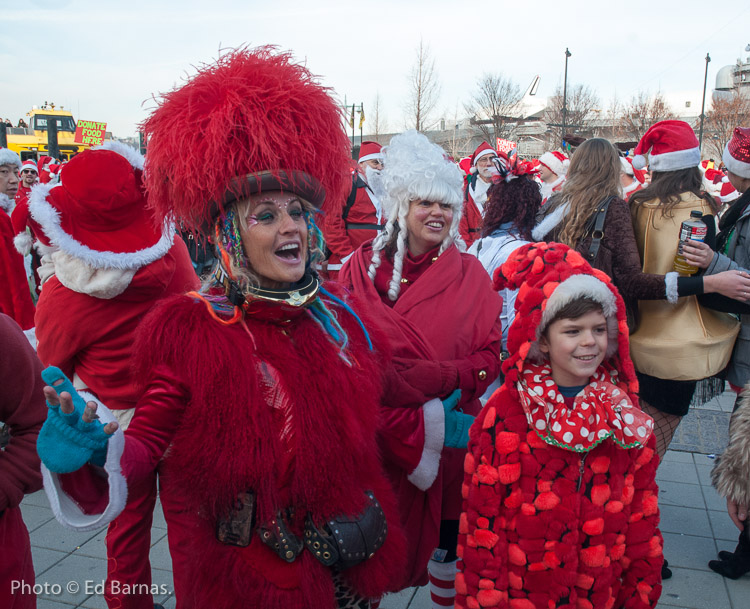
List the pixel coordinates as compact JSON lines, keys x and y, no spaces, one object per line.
{"x":703,"y":104}
{"x":565,"y":96}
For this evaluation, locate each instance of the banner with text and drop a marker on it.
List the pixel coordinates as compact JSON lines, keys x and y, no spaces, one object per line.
{"x":505,"y":145}
{"x":91,"y":133}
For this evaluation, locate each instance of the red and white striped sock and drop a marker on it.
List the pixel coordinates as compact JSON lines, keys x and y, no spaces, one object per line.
{"x":442,"y":577}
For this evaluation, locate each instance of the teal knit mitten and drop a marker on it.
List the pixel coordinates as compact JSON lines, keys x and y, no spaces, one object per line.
{"x":457,"y":424}
{"x":66,"y":443}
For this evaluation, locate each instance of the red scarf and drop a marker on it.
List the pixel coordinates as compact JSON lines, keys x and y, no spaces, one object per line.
{"x":602,"y":410}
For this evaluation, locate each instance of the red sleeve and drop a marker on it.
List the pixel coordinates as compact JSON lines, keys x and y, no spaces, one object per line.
{"x":463,"y":227}
{"x":492,"y":501}
{"x":477,"y":371}
{"x":147,"y":438}
{"x":643,"y":558}
{"x":22,"y":409}
{"x":334,"y":231}
{"x":58,"y":337}
{"x":15,"y":294}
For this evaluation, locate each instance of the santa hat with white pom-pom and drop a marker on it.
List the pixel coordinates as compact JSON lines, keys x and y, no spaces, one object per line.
{"x":672,"y":145}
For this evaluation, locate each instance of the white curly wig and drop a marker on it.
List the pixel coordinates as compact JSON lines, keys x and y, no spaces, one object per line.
{"x":415,"y":169}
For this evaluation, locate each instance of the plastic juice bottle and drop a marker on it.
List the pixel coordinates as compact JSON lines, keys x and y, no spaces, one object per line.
{"x":694,"y":229}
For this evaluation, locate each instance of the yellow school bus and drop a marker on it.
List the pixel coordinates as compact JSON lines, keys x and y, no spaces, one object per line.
{"x":31,"y":142}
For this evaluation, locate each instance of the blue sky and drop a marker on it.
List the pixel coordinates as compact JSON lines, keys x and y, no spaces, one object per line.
{"x":106,"y":60}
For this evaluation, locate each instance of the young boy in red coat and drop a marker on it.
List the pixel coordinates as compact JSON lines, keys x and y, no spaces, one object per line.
{"x":560,"y":502}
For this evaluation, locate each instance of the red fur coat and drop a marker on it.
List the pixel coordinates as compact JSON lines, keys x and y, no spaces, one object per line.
{"x":205,"y":401}
{"x":547,"y":527}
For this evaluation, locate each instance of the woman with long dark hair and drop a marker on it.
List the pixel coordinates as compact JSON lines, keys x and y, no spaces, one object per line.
{"x":677,"y":343}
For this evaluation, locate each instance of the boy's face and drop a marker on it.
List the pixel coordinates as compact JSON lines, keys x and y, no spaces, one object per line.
{"x":575,"y":347}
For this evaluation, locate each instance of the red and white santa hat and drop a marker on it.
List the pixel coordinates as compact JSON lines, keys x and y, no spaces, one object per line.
{"x":728,"y":192}
{"x":627,"y":167}
{"x":370,"y":151}
{"x":482,"y":150}
{"x":29,"y":164}
{"x":98,"y":211}
{"x":8,"y":157}
{"x":736,"y":155}
{"x":670,"y":145}
{"x":555,"y":161}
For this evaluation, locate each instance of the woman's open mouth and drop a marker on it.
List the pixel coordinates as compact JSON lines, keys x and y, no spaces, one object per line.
{"x":290,"y":253}
{"x":435,"y":225}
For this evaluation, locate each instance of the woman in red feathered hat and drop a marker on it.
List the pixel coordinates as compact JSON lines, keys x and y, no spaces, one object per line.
{"x":264,"y":385}
{"x":560,"y":498}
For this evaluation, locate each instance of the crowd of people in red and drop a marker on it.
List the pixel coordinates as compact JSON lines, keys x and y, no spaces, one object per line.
{"x":401,"y":371}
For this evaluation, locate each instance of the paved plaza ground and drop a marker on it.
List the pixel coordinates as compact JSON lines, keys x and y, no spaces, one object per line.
{"x":693,"y":520}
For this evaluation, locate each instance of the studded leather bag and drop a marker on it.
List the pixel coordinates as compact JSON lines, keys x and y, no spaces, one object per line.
{"x":346,"y":541}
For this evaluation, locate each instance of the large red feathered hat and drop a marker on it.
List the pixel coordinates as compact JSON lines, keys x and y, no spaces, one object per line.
{"x":549,"y":276}
{"x":252,"y":121}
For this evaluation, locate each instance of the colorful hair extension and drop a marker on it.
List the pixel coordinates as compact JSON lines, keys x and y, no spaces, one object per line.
{"x":347,"y":308}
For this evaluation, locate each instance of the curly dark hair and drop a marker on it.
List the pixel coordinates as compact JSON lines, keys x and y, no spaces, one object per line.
{"x":517,"y":201}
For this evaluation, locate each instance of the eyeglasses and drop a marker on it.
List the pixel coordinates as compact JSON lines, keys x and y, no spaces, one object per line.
{"x":28,"y":172}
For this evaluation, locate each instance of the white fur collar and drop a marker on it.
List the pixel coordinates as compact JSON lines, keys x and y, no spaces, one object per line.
{"x":78,"y":276}
{"x":549,"y":222}
{"x":6,"y":203}
{"x":630,"y":187}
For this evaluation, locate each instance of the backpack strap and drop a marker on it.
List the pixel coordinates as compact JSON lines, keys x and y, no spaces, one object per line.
{"x":357,"y":182}
{"x":597,"y":233}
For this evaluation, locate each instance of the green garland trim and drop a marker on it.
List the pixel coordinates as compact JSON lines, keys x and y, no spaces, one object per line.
{"x":549,"y":440}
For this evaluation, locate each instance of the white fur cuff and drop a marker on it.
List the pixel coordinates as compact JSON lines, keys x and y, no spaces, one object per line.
{"x":66,"y":510}
{"x":670,"y":279}
{"x":22,"y":242}
{"x":434,"y":438}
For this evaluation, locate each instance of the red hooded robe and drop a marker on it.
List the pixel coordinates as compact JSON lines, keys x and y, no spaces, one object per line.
{"x":445,"y":334}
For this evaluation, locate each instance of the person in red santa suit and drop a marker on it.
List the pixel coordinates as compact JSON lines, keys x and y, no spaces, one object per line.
{"x":26,"y":230}
{"x":478,"y":183}
{"x":631,"y":180}
{"x":442,"y":319}
{"x":29,"y":177}
{"x":361,"y":217}
{"x":111,"y":267}
{"x":264,"y":386}
{"x":22,"y":410}
{"x":15,"y":295}
{"x":553,"y":166}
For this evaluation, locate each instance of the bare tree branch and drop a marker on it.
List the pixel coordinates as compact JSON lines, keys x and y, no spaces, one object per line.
{"x":728,"y":112}
{"x":379,"y":122}
{"x":496,"y":99}
{"x":642,"y":113}
{"x":424,"y":88}
{"x":582,"y":100}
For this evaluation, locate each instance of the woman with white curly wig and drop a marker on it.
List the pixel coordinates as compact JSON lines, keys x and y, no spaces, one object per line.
{"x":441,"y":315}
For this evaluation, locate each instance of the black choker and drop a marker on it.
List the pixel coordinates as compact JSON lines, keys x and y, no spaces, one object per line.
{"x":299,"y":294}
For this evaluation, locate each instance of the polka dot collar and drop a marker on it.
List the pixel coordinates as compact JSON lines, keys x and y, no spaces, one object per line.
{"x":602,"y":410}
